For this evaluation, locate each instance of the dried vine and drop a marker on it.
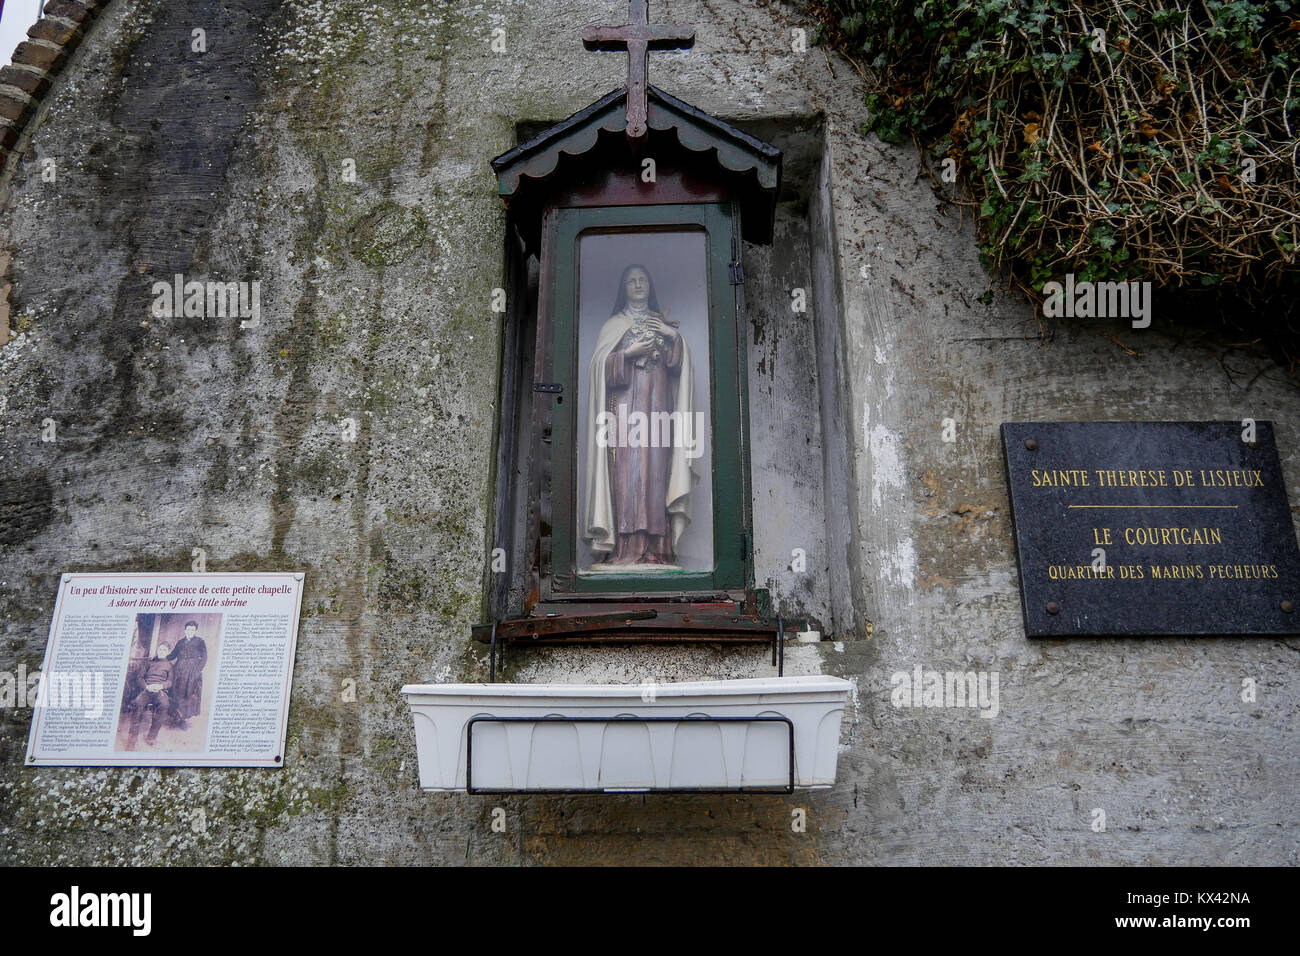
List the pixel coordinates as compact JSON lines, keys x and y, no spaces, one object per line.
{"x":1118,"y":140}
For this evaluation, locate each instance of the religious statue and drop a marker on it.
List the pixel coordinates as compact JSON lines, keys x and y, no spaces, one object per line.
{"x":639,"y":452}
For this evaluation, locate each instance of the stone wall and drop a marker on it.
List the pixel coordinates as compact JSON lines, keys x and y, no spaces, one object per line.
{"x":182,"y":433}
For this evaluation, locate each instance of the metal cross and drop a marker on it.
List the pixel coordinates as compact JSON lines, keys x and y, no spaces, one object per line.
{"x":637,"y":36}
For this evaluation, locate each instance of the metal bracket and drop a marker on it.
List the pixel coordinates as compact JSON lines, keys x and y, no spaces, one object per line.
{"x":553,"y":388}
{"x":736,"y":266}
{"x":778,"y":647}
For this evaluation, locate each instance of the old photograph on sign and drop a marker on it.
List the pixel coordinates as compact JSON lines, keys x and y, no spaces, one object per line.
{"x":172,"y":658}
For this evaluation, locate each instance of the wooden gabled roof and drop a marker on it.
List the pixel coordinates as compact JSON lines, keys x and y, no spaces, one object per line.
{"x":748,"y":167}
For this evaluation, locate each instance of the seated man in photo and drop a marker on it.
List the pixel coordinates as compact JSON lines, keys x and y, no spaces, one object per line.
{"x":135,"y":669}
{"x":156,"y":677}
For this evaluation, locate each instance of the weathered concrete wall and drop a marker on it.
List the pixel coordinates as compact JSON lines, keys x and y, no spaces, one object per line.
{"x":176,"y":434}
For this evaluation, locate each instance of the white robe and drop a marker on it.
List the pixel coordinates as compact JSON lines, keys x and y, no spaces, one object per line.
{"x":598,"y":514}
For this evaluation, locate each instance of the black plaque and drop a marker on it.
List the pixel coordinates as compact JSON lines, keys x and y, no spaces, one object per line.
{"x":1192,"y":518}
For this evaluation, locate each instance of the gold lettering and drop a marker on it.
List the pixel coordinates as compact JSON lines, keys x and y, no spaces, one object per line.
{"x":1171,"y":536}
{"x":1060,"y":478}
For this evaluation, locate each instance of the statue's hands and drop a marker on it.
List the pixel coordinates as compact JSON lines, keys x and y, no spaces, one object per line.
{"x":638,"y":347}
{"x":656,"y":324}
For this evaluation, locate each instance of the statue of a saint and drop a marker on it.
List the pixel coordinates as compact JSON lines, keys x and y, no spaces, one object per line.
{"x":638,"y":473}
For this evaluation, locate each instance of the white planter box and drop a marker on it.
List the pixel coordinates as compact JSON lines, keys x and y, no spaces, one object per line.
{"x":588,"y":744}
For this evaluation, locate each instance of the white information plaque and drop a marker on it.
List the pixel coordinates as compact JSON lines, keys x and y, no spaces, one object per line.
{"x":167,"y":670}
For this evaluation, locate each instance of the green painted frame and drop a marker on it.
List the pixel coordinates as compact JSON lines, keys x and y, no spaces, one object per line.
{"x":732,"y":569}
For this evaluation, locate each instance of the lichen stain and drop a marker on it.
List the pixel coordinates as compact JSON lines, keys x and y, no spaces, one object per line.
{"x":26,"y":507}
{"x":668,"y":830}
{"x":389,"y":234}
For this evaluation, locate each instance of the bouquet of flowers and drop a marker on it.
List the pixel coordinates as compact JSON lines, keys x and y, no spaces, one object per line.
{"x":658,"y":344}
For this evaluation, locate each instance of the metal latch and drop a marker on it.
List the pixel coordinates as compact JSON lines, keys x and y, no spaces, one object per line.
{"x":554,"y":388}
